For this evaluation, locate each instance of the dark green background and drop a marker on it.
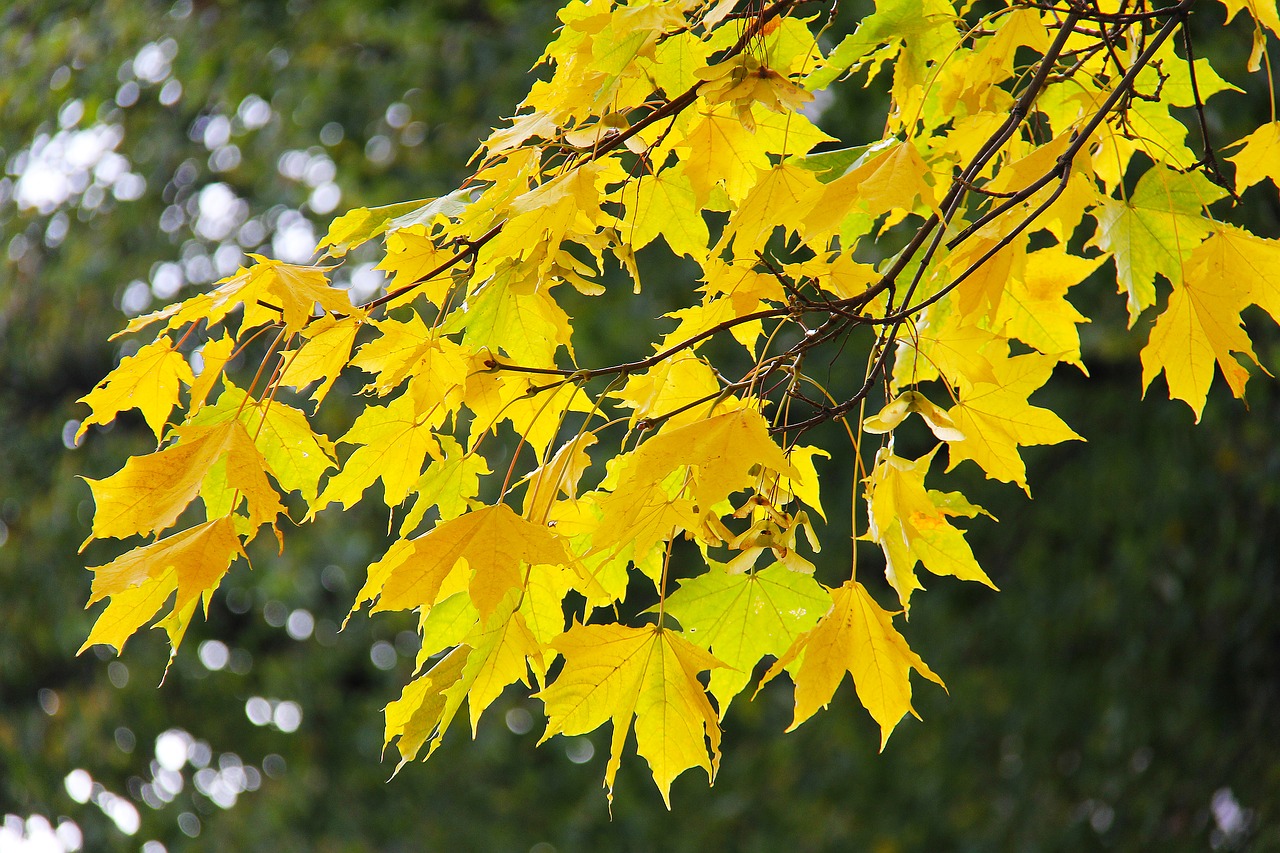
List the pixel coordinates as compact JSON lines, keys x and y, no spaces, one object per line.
{"x":1123,"y":683}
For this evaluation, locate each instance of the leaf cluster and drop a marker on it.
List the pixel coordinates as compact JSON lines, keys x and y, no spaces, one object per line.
{"x":1023,"y":151}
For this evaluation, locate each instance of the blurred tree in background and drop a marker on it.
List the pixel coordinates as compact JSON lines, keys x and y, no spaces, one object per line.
{"x":1122,"y":692}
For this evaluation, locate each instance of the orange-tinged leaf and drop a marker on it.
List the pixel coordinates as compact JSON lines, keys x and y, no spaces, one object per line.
{"x":191,"y":563}
{"x":649,"y":503}
{"x":148,"y":380}
{"x":560,"y":475}
{"x":148,"y":494}
{"x":910,"y":525}
{"x":855,"y":636}
{"x":493,"y":543}
{"x":295,"y":456}
{"x":614,"y":673}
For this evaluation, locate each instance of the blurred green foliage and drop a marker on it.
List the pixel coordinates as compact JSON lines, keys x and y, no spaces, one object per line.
{"x":1122,"y":692}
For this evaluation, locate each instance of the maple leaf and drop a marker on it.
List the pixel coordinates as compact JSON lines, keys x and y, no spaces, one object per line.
{"x":1258,"y":160}
{"x":214,"y":356}
{"x":139,"y":582}
{"x":393,"y":443}
{"x":616,"y":673}
{"x":663,"y":204}
{"x":723,"y":452}
{"x":296,"y":457}
{"x":1155,"y":231}
{"x":855,"y":636}
{"x":150,"y":492}
{"x":741,"y":618}
{"x":408,"y":349}
{"x":270,"y":291}
{"x":996,"y":419}
{"x":325,"y":352}
{"x":450,"y":485}
{"x":910,"y":525}
{"x":718,"y":150}
{"x":491,"y":543}
{"x":1035,"y":309}
{"x":416,"y":716}
{"x":362,"y":224}
{"x":680,"y":120}
{"x":147,"y":380}
{"x":1201,"y":326}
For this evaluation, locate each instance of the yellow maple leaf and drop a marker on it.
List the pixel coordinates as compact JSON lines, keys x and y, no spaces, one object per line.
{"x":1201,"y":326}
{"x":1264,"y":14}
{"x":722,"y":454}
{"x":411,"y":255}
{"x":560,"y":475}
{"x":1250,"y":263}
{"x":214,"y":356}
{"x":325,"y":352}
{"x":1259,"y":159}
{"x":892,"y":179}
{"x":945,"y":345}
{"x":148,"y":494}
{"x":270,"y":291}
{"x":855,"y":636}
{"x":670,"y":385}
{"x":996,"y":419}
{"x":663,"y":204}
{"x":295,"y":455}
{"x":718,"y":150}
{"x":616,"y":673}
{"x":1035,"y":309}
{"x":393,"y":442}
{"x":357,"y":226}
{"x":450,"y":484}
{"x":783,"y":195}
{"x":148,"y":380}
{"x":407,"y":348}
{"x":138,"y":583}
{"x":416,"y":716}
{"x":492,"y":543}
